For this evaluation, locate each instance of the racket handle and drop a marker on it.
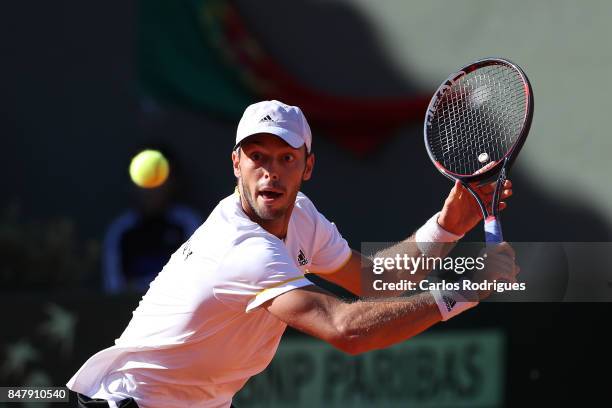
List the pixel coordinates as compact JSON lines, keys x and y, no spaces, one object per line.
{"x":493,"y":232}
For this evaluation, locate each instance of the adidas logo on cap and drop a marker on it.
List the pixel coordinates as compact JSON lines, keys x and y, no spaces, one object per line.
{"x":274,"y":117}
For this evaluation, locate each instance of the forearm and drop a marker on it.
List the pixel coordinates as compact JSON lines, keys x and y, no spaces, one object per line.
{"x":369,"y":325}
{"x":411,"y":250}
{"x":358,"y":275}
{"x":408,"y":261}
{"x":363,"y":325}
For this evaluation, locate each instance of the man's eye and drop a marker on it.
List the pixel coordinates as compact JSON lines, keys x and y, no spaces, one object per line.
{"x":256,"y":156}
{"x":289,"y":158}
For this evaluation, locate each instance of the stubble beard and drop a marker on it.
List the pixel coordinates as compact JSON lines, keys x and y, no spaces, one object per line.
{"x":263,"y":213}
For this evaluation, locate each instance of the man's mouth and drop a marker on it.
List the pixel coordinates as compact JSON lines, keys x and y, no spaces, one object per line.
{"x":270,"y":194}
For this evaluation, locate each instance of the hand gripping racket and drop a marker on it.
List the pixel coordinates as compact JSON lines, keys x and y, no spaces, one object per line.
{"x":475,"y":126}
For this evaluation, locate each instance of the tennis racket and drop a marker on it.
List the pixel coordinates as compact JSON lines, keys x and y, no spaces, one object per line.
{"x":475,"y":126}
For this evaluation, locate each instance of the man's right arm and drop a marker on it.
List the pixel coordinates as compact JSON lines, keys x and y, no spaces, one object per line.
{"x":355,"y":327}
{"x":360,"y":326}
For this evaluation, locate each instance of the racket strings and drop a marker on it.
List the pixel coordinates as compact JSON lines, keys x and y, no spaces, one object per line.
{"x":478,"y":119}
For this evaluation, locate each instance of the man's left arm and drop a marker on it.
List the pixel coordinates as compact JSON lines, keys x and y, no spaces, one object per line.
{"x":460,"y":213}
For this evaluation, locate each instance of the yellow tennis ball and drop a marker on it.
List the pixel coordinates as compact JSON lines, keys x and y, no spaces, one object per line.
{"x":149,"y":169}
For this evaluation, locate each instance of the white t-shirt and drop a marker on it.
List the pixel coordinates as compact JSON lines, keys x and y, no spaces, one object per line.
{"x":198,"y":334}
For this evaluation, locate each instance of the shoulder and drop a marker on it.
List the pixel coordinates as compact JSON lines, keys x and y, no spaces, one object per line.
{"x":257,"y":248}
{"x":227,"y":222}
{"x":307,"y":215}
{"x":257,"y":255}
{"x":221,"y":231}
{"x":304,"y":203}
{"x":304,"y":209}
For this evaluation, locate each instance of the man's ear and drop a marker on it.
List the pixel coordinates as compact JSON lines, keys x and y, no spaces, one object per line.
{"x":236,"y":162}
{"x":310,"y":161}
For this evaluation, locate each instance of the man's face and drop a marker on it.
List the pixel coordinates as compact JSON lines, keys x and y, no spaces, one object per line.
{"x":270,"y":173}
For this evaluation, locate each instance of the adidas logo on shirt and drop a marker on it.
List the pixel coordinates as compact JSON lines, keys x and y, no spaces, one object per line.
{"x":302,"y":258}
{"x":266,"y":118}
{"x":449,"y":302}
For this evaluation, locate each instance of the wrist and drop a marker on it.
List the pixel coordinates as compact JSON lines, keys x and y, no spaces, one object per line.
{"x":448,"y":224}
{"x":451,"y":303}
{"x":434,"y":231}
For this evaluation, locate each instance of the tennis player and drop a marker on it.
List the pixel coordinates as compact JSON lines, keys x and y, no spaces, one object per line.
{"x":214,"y":315}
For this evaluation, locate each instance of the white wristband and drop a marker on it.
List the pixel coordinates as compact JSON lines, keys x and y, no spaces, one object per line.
{"x":431,"y":231}
{"x":451,"y":303}
{"x":429,"y":237}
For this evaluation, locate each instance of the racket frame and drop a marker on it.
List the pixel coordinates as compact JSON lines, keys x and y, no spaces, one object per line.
{"x":502,"y":166}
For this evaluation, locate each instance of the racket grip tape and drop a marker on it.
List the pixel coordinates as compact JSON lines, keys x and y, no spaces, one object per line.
{"x":493,"y":232}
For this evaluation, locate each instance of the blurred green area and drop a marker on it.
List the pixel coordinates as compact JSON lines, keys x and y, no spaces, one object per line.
{"x":44,"y":254}
{"x":181,"y":60}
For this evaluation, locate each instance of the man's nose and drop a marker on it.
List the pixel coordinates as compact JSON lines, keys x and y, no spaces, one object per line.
{"x":271,"y":173}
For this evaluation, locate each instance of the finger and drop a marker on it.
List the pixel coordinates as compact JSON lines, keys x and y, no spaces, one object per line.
{"x":489,"y":188}
{"x":511,"y":277}
{"x":490,"y":206}
{"x":505,"y":248}
{"x":485,"y":188}
{"x":505,"y":266}
{"x":507,"y":278}
{"x":502,"y":264}
{"x":499,"y":262}
{"x":502,"y":205}
{"x":501,"y":271}
{"x":487,"y":195}
{"x":459,"y":188}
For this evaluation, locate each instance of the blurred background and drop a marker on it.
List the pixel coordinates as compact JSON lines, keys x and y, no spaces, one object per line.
{"x":85,"y":85}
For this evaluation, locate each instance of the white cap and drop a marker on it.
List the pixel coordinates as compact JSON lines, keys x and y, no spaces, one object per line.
{"x":274,"y":117}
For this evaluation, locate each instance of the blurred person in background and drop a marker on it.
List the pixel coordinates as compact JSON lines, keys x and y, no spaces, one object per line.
{"x":139,"y":242}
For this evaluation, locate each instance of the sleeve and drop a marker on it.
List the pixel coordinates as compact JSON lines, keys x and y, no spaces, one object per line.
{"x":331,"y":251}
{"x":255,"y":271}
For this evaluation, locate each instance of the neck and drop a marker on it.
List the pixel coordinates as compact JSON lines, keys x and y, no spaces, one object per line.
{"x":277,"y":227}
